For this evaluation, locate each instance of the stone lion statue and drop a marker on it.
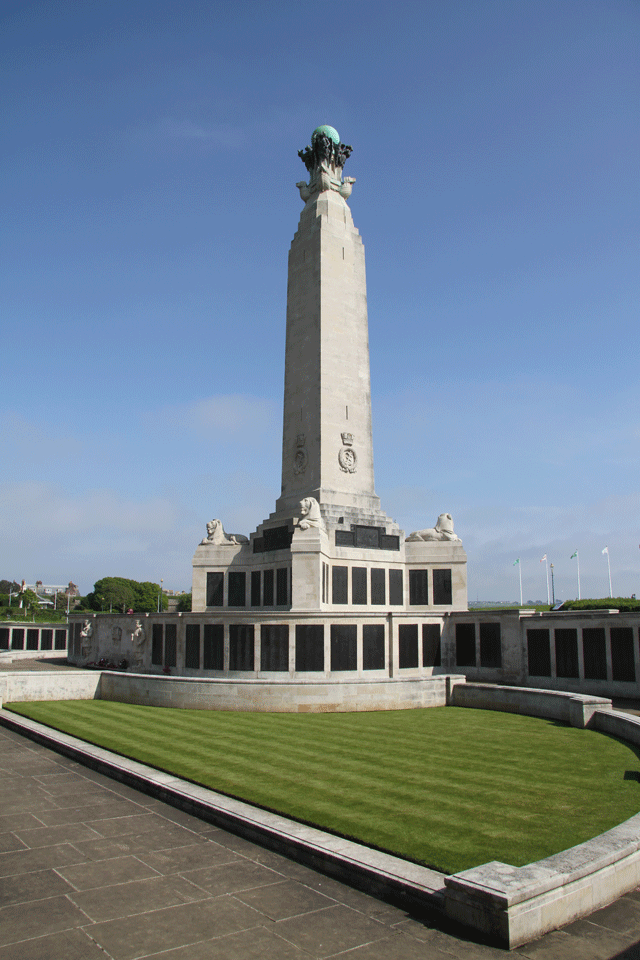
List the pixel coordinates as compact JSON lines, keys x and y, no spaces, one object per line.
{"x":311,"y":516}
{"x":443,"y":530}
{"x":217,"y":536}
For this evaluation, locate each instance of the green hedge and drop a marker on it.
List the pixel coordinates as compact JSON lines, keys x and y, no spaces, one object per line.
{"x":624,"y":604}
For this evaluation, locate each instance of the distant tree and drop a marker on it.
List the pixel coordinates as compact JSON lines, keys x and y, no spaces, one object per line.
{"x":184,"y":603}
{"x":119,"y":594}
{"x":9,"y":586}
{"x":115,"y":593}
{"x":146,"y":600}
{"x":29,"y":601}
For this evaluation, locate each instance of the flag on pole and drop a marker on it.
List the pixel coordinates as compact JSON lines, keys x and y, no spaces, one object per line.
{"x":543,"y":559}
{"x":573,"y":555}
{"x":606,"y":550}
{"x":516,"y":562}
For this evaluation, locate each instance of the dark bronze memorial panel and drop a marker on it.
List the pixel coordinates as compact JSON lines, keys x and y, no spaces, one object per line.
{"x":309,"y":647}
{"x":215,"y":585}
{"x":344,"y":646}
{"x":192,"y":646}
{"x":213,"y":646}
{"x":274,"y":646}
{"x":373,"y":646}
{"x":170,"y":645}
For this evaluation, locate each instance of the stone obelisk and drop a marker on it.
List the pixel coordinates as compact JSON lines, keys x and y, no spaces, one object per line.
{"x":327,"y":449}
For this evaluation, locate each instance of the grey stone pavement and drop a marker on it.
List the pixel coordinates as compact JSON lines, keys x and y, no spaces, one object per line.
{"x":91,"y":868}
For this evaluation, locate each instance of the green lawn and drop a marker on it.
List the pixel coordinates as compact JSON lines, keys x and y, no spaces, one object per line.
{"x":449,"y":787}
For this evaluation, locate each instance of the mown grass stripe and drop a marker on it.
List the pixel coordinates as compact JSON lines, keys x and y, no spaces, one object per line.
{"x":445,"y":786}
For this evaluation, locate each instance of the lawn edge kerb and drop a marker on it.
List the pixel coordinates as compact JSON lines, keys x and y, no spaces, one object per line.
{"x":378,"y":873}
{"x":14,"y":708}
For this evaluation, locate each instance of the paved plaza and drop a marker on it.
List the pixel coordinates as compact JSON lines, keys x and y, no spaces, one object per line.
{"x":90,"y":868}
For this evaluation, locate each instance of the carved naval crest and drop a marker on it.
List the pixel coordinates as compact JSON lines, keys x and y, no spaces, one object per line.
{"x":347,"y":459}
{"x":300,"y":461}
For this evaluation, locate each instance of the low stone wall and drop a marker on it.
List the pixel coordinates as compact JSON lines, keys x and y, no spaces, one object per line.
{"x":576,"y":709}
{"x":77,"y":685}
{"x":274,"y":697}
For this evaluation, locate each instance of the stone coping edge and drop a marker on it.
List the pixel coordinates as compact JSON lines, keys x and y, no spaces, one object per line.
{"x":380,"y":874}
{"x":284,"y":681}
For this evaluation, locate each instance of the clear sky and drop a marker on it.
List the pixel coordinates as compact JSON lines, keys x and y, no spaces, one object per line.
{"x":149,"y":165}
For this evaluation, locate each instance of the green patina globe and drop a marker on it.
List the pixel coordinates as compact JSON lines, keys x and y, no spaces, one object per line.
{"x":327,"y":131}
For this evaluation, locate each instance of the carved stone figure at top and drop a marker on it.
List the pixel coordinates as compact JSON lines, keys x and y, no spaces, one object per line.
{"x":443,"y":530}
{"x":325,"y":147}
{"x":217,"y":536}
{"x":324,"y":160}
{"x":311,"y":516}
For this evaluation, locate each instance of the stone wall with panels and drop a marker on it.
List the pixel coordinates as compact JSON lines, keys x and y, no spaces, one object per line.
{"x":595,"y":652}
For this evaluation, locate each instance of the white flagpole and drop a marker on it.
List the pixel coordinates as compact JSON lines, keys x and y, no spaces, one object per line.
{"x":575,"y":554}
{"x":606,"y":550}
{"x":520,"y":572}
{"x":517,"y":564}
{"x":546,"y":565}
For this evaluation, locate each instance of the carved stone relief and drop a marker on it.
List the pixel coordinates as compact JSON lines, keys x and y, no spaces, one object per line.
{"x":300,"y":461}
{"x":138,"y":639}
{"x":347,"y":458}
{"x":86,"y":637}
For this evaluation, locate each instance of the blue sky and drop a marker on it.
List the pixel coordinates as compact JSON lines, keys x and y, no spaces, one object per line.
{"x":148,"y":176}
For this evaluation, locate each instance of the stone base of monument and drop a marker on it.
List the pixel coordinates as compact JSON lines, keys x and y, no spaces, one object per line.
{"x":281,"y":660}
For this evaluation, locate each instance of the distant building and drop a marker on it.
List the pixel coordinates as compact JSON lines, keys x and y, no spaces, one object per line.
{"x":49,"y":593}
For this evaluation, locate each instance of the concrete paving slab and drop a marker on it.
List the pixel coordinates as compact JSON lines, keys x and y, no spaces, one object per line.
{"x":84,"y":814}
{"x":50,"y":836}
{"x":558,"y":946}
{"x":601,"y":939}
{"x":258,"y":943}
{"x":137,"y":823}
{"x":232,"y":877}
{"x":129,"y":899}
{"x":191,"y":857}
{"x":623,"y":916}
{"x":286,"y":899}
{"x":38,"y":917}
{"x":26,"y":887}
{"x":42,"y":858}
{"x":9,"y":842}
{"x":331,"y":930}
{"x":67,"y":945}
{"x":103,"y":873}
{"x":141,"y":936}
